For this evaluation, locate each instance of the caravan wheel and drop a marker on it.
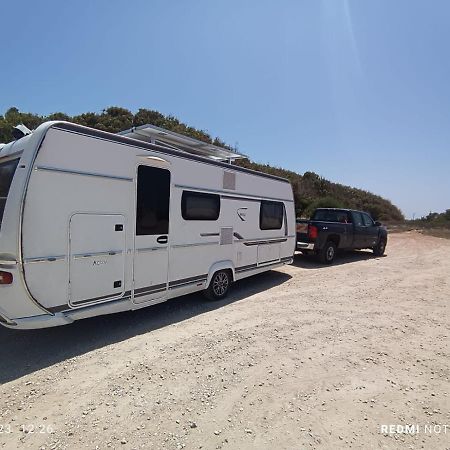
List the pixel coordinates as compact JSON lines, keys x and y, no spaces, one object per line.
{"x":219,"y":286}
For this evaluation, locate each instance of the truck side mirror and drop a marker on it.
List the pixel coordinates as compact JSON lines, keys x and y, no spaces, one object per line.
{"x":378,"y":224}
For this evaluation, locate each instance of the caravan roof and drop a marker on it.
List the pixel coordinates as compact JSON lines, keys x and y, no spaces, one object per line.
{"x":156,"y":135}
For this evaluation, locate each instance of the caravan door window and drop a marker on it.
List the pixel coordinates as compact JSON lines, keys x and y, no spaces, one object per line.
{"x":153,"y":196}
{"x":200,"y":206}
{"x":271,"y":215}
{"x":7,"y":170}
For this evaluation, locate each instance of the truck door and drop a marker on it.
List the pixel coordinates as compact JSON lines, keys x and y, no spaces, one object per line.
{"x":371,"y":231}
{"x":96,"y":258}
{"x":359,"y":230}
{"x":151,"y":249}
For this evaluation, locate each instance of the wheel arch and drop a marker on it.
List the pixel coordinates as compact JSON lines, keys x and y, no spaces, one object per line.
{"x":335,"y":238}
{"x":220,"y":265}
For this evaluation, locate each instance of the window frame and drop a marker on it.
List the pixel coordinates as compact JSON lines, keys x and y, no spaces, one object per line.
{"x":354,"y":214}
{"x":372,"y":222}
{"x":270,"y":202}
{"x":184,"y":212}
{"x":14,"y":162}
{"x":138,"y":226}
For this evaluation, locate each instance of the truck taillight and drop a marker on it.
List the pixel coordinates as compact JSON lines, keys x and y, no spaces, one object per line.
{"x":6,"y":277}
{"x":312,"y":232}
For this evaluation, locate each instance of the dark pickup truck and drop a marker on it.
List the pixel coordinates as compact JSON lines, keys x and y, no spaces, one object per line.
{"x":331,"y":229}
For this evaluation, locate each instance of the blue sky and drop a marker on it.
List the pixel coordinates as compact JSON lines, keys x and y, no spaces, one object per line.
{"x":357,"y":91}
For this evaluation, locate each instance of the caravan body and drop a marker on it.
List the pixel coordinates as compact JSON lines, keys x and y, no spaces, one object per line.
{"x":94,"y":223}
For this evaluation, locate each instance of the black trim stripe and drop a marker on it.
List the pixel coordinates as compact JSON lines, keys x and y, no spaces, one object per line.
{"x":150,"y":289}
{"x":198,"y":282}
{"x":95,"y":299}
{"x":245,"y":268}
{"x":209,"y":234}
{"x":183,"y":281}
{"x":265,"y":242}
{"x":162,"y":287}
{"x":79,"y":129}
{"x":154,"y":291}
{"x":255,"y":266}
{"x":269,"y":262}
{"x":60,"y":308}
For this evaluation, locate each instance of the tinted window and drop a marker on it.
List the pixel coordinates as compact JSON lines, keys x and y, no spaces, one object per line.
{"x":200,"y":206}
{"x":153,"y":194}
{"x":368,"y":222}
{"x":7,"y":170}
{"x":357,"y":219}
{"x":271,"y":215}
{"x":331,"y":215}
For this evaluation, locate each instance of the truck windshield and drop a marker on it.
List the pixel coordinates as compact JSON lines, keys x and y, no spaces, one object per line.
{"x":7,"y":170}
{"x":326,"y":215}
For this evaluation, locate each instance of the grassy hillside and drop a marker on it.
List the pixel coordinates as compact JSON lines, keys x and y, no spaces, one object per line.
{"x":436,"y":224}
{"x":310,"y":190}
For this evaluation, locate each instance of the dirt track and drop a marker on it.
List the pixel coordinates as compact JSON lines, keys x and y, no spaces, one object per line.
{"x":304,"y":357}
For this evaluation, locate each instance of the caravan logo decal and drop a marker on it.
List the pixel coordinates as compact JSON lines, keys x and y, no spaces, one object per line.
{"x":99,"y":262}
{"x":242,"y":213}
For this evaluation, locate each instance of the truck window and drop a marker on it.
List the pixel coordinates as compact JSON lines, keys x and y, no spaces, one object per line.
{"x":330,"y":215}
{"x":342,"y":217}
{"x":368,"y":222}
{"x":7,"y":170}
{"x":271,"y":215}
{"x":153,"y":195}
{"x":200,"y":206}
{"x":357,"y":219}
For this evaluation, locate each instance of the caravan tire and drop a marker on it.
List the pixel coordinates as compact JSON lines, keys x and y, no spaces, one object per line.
{"x":219,"y":285}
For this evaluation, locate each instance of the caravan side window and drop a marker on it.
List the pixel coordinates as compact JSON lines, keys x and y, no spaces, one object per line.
{"x":200,"y":206}
{"x":271,"y":215}
{"x":7,"y":170}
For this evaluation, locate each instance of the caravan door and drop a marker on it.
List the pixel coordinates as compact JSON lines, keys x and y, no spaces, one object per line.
{"x":272,"y":216}
{"x":96,"y":259}
{"x":151,"y":249}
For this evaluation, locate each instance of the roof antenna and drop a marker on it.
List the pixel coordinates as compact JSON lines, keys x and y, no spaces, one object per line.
{"x":20,"y":131}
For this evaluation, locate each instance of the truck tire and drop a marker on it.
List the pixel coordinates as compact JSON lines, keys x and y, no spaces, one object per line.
{"x":327,"y":253}
{"x":379,"y":249}
{"x":219,"y":285}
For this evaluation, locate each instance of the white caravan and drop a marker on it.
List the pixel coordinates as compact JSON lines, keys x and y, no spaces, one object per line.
{"x":95,"y":223}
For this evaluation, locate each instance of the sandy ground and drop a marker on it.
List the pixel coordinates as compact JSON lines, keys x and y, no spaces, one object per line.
{"x":303,"y":357}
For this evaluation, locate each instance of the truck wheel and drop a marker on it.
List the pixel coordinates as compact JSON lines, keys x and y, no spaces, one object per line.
{"x":328,"y":252}
{"x":219,"y":285}
{"x":379,"y":249}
